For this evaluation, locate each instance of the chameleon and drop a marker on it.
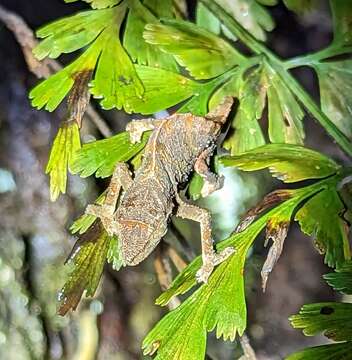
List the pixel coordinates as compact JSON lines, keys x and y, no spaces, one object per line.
{"x":178,"y":145}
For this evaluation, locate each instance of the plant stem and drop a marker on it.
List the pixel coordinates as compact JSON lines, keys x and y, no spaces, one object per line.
{"x":281,"y":68}
{"x":315,"y":58}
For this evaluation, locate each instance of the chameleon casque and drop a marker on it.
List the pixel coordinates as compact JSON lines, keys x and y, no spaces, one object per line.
{"x":178,"y":145}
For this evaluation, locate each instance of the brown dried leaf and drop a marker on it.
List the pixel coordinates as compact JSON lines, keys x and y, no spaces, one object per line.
{"x":78,"y":99}
{"x":267,"y":202}
{"x":276,"y":230}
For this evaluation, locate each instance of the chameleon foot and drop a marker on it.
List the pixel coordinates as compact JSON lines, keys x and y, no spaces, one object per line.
{"x":212,"y":183}
{"x":136,"y":128}
{"x":210,"y":262}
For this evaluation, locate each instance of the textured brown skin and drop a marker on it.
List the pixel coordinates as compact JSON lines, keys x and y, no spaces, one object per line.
{"x":170,"y":156}
{"x":178,"y":145}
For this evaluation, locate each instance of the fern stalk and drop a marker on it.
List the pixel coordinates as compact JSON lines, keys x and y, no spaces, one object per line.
{"x":279,"y":65}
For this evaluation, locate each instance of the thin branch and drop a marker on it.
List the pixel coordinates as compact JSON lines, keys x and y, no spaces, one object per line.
{"x":42,"y":69}
{"x":163,"y":271}
{"x":248,"y":352}
{"x":176,"y":259}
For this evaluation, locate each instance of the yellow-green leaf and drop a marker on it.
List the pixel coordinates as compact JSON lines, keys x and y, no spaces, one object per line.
{"x":66,"y":143}
{"x":289,"y":163}
{"x":202,"y":53}
{"x":88,"y":257}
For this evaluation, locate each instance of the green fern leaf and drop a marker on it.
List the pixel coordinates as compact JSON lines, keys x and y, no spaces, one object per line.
{"x":66,"y":143}
{"x":341,"y":279}
{"x":51,"y":92}
{"x":289,"y":163}
{"x":88,"y":258}
{"x":301,"y":6}
{"x":251,"y":94}
{"x":331,"y":319}
{"x":115,"y":78}
{"x":321,"y":218}
{"x":163,"y":89}
{"x":220,"y":304}
{"x":341,"y":351}
{"x":97,"y":4}
{"x":202,"y":53}
{"x":100,"y":157}
{"x":335,"y":82}
{"x":254,"y":17}
{"x":342,"y":20}
{"x":140,"y":51}
{"x":73,"y":33}
{"x":284,"y":113}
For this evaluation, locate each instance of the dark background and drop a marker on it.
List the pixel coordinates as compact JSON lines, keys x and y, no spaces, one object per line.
{"x":34,"y":239}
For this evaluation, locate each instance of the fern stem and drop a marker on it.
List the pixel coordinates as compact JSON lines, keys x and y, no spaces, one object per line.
{"x":258,"y":48}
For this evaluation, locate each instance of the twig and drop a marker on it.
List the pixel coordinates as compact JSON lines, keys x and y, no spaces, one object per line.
{"x":248,"y":352}
{"x":176,"y":259}
{"x":163,"y":271}
{"x":42,"y":69}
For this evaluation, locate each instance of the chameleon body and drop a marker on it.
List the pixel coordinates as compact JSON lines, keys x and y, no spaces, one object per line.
{"x":178,"y":145}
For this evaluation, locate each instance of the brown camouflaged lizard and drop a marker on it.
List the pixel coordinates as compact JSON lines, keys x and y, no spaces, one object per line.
{"x":178,"y":145}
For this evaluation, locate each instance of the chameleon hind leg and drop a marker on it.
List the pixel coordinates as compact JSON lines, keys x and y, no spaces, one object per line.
{"x":121,"y":178}
{"x":209,"y":256}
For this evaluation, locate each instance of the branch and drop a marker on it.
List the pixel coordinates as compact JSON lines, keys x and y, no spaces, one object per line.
{"x":42,"y":69}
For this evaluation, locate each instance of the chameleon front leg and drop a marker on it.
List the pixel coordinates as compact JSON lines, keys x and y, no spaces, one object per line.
{"x":136,"y":128}
{"x":212,"y":182}
{"x":121,"y":178}
{"x":209,"y":256}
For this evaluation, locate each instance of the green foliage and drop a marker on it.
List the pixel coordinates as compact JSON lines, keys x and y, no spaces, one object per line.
{"x":251,"y":14}
{"x":203,"y":54}
{"x":289,"y":163}
{"x":341,"y":280}
{"x":100,"y":157}
{"x":341,"y":11}
{"x":335,"y":81}
{"x":51,"y":92}
{"x":163,"y":89}
{"x":66,"y":143}
{"x":331,"y":319}
{"x":320,"y":216}
{"x":300,"y":6}
{"x":88,"y":257}
{"x":139,"y":50}
{"x":115,"y":78}
{"x":219,"y":304}
{"x":340,"y":351}
{"x":141,"y":67}
{"x":98,"y":4}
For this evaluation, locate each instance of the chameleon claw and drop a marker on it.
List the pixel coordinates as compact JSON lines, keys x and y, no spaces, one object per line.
{"x":207,"y":268}
{"x":134,"y":131}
